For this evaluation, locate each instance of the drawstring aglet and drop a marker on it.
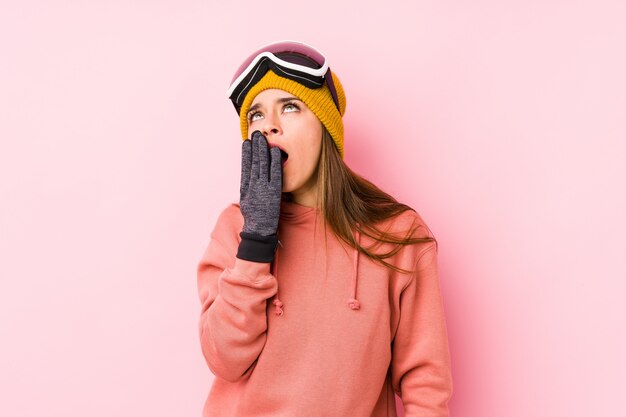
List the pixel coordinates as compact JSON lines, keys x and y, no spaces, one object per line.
{"x":278,"y":304}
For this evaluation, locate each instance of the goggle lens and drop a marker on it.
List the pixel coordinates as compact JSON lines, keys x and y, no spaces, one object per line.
{"x":301,"y":58}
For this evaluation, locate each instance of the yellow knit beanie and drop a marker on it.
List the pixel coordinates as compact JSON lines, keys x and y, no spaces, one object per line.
{"x":319,"y":100}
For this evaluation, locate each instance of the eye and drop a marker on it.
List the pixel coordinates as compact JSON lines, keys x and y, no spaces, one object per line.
{"x":292,"y":105}
{"x":251,"y":116}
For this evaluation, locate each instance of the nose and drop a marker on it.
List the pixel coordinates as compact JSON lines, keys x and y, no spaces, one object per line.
{"x":270,"y":125}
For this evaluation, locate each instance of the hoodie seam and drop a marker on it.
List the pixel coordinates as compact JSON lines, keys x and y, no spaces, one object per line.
{"x":419,"y":258}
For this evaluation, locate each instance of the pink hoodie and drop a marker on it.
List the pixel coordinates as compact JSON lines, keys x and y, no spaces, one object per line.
{"x":345,"y":334}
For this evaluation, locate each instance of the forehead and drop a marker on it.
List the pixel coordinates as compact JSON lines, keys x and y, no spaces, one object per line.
{"x":271,"y":94}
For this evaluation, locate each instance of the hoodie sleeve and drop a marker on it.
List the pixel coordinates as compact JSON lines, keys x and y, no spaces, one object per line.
{"x":420,"y":364}
{"x":233,"y":293}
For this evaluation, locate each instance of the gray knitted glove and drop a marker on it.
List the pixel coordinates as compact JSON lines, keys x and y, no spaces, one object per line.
{"x":260,"y":197}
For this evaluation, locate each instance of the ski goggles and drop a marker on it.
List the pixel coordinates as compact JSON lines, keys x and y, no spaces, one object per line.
{"x":294,"y":60}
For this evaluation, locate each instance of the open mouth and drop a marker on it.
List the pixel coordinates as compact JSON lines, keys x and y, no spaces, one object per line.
{"x":283,"y":155}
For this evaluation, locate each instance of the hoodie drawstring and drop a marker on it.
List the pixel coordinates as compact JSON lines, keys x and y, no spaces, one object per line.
{"x":353,"y":303}
{"x":277,"y":303}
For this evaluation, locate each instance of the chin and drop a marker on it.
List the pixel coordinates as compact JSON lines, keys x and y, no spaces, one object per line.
{"x":287,"y":187}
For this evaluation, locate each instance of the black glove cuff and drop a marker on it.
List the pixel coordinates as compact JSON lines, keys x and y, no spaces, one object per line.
{"x":257,"y":248}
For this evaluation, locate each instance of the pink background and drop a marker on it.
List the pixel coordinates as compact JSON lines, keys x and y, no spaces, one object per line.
{"x":502,"y":123}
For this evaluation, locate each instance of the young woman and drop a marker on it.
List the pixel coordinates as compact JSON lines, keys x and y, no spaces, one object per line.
{"x":360,"y":314}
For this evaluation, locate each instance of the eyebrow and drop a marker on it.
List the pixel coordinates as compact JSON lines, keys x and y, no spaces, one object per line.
{"x":280,"y":100}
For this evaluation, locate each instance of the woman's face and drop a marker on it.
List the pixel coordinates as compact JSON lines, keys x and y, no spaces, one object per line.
{"x":288,"y":123}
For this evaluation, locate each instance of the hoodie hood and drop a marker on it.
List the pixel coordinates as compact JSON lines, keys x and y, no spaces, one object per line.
{"x":297,"y":213}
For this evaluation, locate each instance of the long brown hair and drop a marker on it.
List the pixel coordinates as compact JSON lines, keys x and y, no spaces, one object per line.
{"x":349,"y":201}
